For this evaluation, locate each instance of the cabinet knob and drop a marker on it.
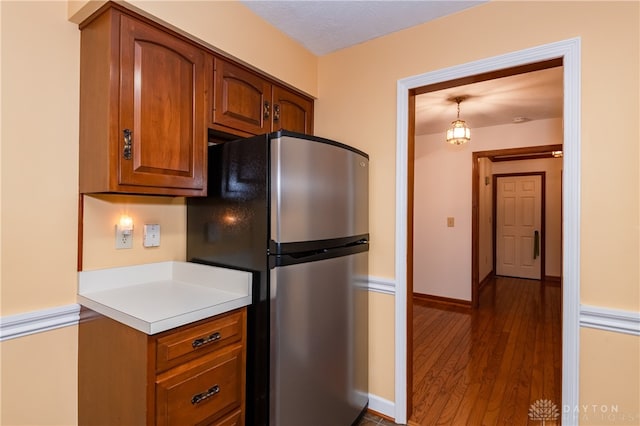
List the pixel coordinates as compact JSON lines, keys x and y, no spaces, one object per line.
{"x":126,"y":153}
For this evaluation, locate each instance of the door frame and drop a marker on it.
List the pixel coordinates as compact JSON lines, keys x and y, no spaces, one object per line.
{"x":569,"y":50}
{"x":543,"y":236}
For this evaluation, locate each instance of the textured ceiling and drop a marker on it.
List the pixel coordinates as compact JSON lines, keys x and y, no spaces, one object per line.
{"x":329,"y":25}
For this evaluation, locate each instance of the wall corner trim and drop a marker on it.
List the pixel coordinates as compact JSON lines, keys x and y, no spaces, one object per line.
{"x":616,"y":320}
{"x":20,"y":325}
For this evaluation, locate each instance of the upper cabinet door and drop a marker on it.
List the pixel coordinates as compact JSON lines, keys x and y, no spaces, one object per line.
{"x":242,"y":100}
{"x":163,"y":102}
{"x":292,"y":111}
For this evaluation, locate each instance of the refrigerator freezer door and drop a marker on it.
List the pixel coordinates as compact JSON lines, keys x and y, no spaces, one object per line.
{"x":319,"y":339}
{"x":319,"y":190}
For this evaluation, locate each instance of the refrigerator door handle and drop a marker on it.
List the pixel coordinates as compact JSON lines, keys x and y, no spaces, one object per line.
{"x":357,"y":243}
{"x":317,"y":254}
{"x":309,"y":253}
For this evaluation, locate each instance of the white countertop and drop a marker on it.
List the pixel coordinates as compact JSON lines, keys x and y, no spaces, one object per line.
{"x":159,"y":296}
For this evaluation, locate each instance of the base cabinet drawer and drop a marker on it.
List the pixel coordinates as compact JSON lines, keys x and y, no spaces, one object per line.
{"x":181,"y":346}
{"x":202,"y":392}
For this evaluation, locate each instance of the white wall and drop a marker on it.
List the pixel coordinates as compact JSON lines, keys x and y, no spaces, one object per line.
{"x":442,"y":255}
{"x":553,"y":204}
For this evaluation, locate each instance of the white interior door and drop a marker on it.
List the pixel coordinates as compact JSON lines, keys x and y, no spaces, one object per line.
{"x":518,"y":219}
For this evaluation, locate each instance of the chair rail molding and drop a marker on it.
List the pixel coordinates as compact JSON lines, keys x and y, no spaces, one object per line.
{"x":20,"y":325}
{"x":382,"y":285}
{"x":615,"y":320}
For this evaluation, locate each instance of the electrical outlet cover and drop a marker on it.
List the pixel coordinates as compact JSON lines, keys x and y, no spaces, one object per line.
{"x":151,"y":236}
{"x":124,"y":239}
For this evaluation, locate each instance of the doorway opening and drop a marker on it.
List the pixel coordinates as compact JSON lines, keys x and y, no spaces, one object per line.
{"x":569,"y":52}
{"x":479,"y":276}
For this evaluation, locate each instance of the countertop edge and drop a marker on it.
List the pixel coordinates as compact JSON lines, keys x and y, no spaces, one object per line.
{"x":151,"y":328}
{"x":190,"y":317}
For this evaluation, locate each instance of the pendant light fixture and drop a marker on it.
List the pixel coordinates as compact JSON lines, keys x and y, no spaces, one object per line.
{"x":459,"y":132}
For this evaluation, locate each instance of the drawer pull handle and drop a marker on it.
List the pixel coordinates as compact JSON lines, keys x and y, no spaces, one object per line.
{"x":197,"y":399}
{"x":212,"y":338}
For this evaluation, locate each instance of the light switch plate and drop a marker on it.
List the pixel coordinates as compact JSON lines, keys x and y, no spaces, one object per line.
{"x":151,"y":237}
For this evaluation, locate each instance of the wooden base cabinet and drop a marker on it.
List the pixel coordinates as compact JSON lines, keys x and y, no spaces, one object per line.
{"x":191,"y":375}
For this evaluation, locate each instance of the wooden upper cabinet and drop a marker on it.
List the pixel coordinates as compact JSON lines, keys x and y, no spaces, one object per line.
{"x":292,"y":111}
{"x":148,"y":96}
{"x":144,"y":97}
{"x":245,"y":103}
{"x":242,"y":100}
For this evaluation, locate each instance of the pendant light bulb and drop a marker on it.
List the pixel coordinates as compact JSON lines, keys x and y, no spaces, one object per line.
{"x":459,"y":132}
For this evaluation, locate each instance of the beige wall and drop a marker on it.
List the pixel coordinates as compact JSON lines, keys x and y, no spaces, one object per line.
{"x":442,"y":255}
{"x":102,"y":212}
{"x":381,"y":348}
{"x":39,"y":196}
{"x":39,"y":156}
{"x":609,"y":384}
{"x":39,"y":377}
{"x":357,"y":104}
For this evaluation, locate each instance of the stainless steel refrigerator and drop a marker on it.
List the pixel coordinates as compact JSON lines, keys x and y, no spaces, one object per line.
{"x":293,"y":209}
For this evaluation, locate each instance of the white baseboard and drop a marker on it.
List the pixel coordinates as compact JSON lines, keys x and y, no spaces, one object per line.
{"x":382,"y":406}
{"x":19,"y":325}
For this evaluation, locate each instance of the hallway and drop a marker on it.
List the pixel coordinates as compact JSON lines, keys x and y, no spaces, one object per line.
{"x":488,"y":366}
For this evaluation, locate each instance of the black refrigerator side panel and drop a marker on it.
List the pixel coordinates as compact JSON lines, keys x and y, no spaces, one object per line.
{"x":230,"y":225}
{"x":229,"y":228}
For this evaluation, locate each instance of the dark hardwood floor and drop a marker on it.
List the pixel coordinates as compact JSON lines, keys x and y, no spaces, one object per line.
{"x":488,"y":366}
